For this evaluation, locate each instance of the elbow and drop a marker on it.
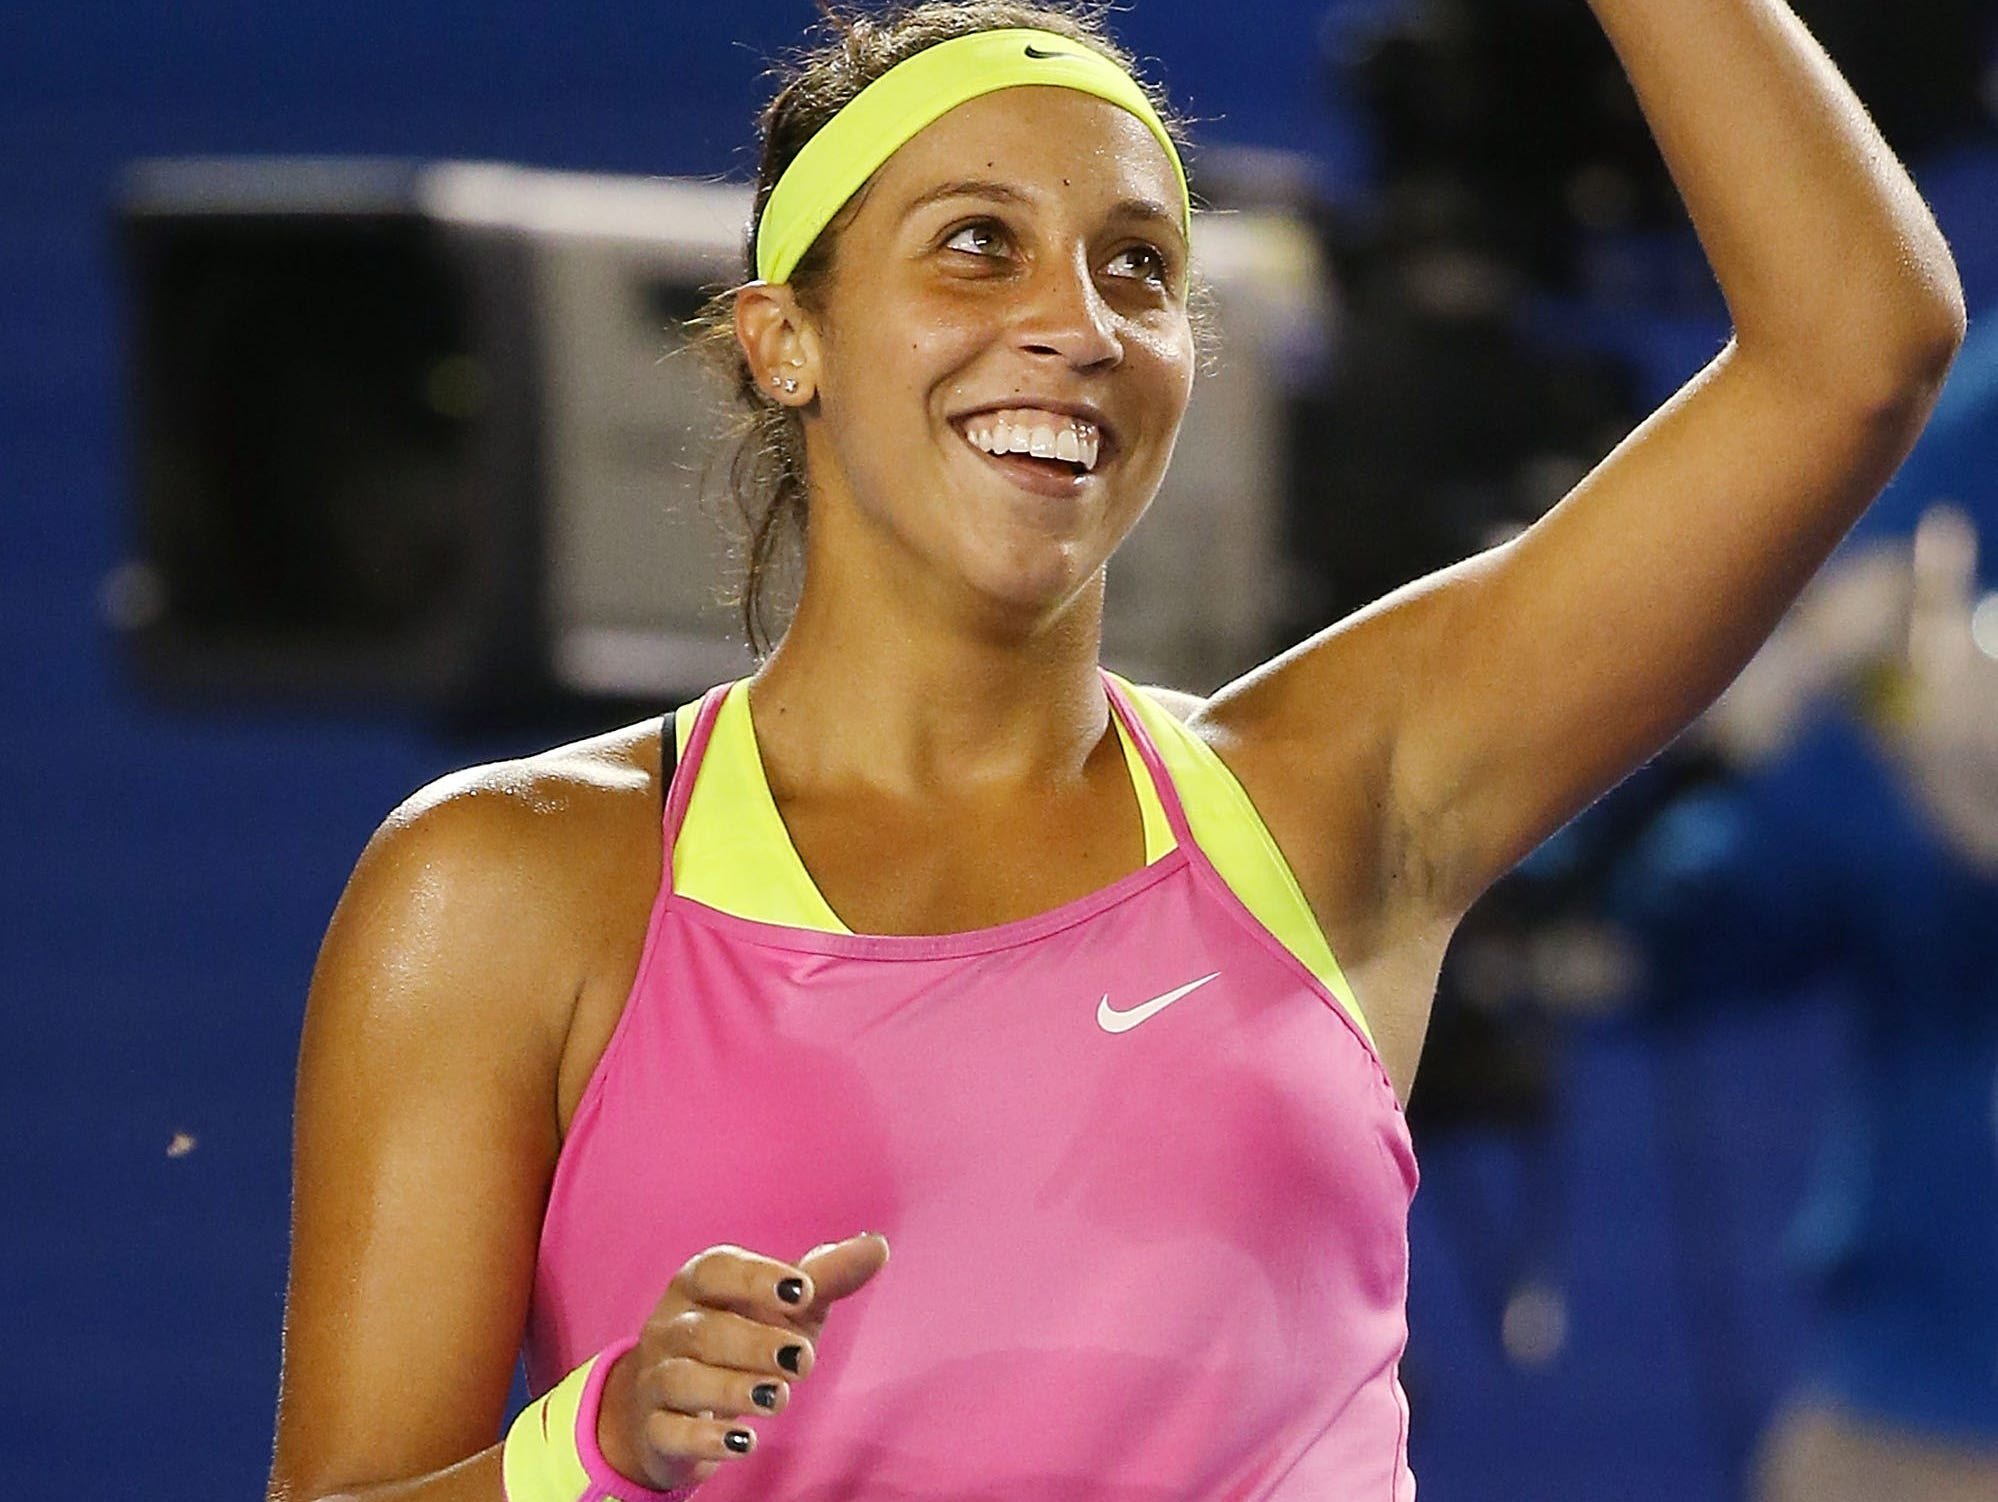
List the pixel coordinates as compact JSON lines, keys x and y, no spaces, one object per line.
{"x":1884,"y":347}
{"x":1894,"y":379}
{"x":1931,"y":331}
{"x":1938,"y":338}
{"x":1916,"y":381}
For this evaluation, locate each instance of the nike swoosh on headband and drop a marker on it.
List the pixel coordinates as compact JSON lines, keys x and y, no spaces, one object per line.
{"x":1113,"y":1021}
{"x":849,"y":148}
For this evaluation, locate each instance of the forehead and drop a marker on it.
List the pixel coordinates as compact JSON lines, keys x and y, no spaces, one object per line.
{"x":1041,"y":137}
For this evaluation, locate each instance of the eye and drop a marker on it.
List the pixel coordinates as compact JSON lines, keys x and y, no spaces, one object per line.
{"x":981,"y":237}
{"x":1141,"y":262}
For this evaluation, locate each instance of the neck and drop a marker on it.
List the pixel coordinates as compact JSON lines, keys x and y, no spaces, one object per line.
{"x":879,"y":685}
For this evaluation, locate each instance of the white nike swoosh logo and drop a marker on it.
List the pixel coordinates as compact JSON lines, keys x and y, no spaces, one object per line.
{"x":1114,"y":1021}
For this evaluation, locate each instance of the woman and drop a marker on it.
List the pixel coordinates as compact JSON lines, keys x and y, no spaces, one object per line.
{"x":946,"y":935}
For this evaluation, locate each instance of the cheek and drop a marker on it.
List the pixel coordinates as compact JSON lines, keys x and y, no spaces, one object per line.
{"x":1166,"y":356}
{"x":905,"y":331}
{"x":890,"y":371}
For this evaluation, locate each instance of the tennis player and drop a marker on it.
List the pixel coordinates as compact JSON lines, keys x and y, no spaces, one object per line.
{"x":1097,"y":1003}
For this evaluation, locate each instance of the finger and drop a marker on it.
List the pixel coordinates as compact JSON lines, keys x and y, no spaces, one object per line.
{"x":686,"y":1385}
{"x":841,"y":1268}
{"x":727,"y":1277}
{"x":720,"y":1338}
{"x":679,"y":1438}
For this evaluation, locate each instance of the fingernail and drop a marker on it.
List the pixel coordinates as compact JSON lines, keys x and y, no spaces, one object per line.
{"x":791,"y":1290}
{"x":789,"y":1356}
{"x":738,"y":1440}
{"x":764,"y":1395}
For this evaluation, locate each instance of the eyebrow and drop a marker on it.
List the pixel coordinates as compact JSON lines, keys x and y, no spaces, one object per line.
{"x":985,"y":188}
{"x":1148,"y":210}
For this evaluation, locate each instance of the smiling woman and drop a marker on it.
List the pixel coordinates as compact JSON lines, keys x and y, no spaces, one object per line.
{"x":953,"y":302}
{"x":934,"y":927}
{"x":991,"y":47}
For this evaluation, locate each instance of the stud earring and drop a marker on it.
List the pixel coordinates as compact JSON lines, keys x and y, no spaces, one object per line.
{"x":790,"y":384}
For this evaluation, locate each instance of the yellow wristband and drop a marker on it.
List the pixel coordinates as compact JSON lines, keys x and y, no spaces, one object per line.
{"x":551,"y":1452}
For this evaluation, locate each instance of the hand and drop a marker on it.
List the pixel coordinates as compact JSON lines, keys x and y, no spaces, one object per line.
{"x":732,"y":1332}
{"x":1947,"y":734}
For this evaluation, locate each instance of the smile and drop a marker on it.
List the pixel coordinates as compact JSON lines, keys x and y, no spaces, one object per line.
{"x":1071,"y":441}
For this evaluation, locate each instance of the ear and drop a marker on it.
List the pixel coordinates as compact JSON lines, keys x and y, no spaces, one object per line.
{"x":779,"y":341}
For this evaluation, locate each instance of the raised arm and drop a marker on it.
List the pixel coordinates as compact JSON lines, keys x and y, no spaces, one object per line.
{"x":1408,"y":756}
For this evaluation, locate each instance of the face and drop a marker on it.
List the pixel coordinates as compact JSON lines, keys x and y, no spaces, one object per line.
{"x":1003,"y":354}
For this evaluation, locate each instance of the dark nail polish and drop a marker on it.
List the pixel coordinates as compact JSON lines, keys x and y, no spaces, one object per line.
{"x":764,"y":1395}
{"x":791,"y":1290}
{"x":789,"y":1357}
{"x":737,"y":1440}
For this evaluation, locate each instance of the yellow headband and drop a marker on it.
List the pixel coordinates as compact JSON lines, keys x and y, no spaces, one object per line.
{"x":855,"y":142}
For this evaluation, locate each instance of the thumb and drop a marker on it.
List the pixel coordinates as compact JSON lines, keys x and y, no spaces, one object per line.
{"x":838,"y":1268}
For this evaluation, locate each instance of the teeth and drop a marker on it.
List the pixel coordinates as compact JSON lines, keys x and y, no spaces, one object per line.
{"x":1044,"y":435}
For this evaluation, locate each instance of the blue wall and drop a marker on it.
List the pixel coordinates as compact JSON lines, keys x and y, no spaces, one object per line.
{"x":166,"y":877}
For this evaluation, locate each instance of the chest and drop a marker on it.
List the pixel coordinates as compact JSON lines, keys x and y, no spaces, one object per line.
{"x":954,"y":861}
{"x":1065,"y":1102}
{"x":1135,"y":1163}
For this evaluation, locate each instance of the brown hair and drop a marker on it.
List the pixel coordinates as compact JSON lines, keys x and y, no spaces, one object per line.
{"x":766,"y":468}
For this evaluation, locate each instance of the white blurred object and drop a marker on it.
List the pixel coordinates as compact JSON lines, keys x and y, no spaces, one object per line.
{"x":630,"y":419}
{"x":1535,"y":1325}
{"x":1908,"y":615}
{"x":1947,"y":736}
{"x":1854,"y":615}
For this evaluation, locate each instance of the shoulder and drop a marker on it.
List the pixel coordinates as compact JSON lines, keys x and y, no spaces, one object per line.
{"x":547,"y":801}
{"x":526,"y":823}
{"x":1178,"y":703}
{"x":502,"y":885}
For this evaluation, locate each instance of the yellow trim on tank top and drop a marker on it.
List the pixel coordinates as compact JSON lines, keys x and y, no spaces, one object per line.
{"x":723,"y":858}
{"x":732,"y":827}
{"x":734,"y":852}
{"x":1234,"y":838}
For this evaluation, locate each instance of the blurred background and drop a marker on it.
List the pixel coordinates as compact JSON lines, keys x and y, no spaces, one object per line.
{"x":327,"y":465}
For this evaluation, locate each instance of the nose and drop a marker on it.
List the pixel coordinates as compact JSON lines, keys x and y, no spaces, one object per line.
{"x":1065,"y":317}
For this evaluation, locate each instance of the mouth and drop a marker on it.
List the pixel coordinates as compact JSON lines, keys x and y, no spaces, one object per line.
{"x":1043,"y":449}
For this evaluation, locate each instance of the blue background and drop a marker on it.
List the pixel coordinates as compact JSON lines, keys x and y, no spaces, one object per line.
{"x":166,"y":877}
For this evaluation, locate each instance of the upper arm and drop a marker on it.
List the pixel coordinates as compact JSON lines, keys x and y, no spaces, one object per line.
{"x":1472,"y":713}
{"x":1579,"y":649}
{"x":426,"y":1134}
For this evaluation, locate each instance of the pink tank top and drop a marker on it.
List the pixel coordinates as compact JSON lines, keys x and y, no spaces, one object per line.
{"x":1145,"y":1183}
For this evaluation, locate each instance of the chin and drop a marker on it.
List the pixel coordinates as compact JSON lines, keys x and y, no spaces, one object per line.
{"x":1034,"y":590}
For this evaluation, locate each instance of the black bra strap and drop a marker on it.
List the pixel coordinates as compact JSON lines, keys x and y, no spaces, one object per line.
{"x":669,"y":754}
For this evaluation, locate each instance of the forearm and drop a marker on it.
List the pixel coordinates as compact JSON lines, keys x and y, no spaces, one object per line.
{"x":1825,"y":252}
{"x":473,"y":1480}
